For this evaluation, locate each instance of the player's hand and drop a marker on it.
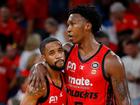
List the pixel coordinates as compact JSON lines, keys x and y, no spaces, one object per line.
{"x":36,"y":93}
{"x":37,"y":76}
{"x":31,"y":96}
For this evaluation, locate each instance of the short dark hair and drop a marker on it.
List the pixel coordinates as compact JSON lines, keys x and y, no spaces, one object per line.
{"x":131,"y":41}
{"x":46,"y":41}
{"x":52,"y":22}
{"x":101,"y":34}
{"x":90,"y":13}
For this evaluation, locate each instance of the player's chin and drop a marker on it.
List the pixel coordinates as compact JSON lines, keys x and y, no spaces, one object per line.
{"x":60,"y":65}
{"x":74,"y":41}
{"x":71,"y":39}
{"x":60,"y":68}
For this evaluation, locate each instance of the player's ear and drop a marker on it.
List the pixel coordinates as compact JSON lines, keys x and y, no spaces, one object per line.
{"x":88,"y":26}
{"x":43,"y":57}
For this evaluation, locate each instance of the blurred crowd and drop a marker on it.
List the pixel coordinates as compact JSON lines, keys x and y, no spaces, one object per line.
{"x":25,"y":23}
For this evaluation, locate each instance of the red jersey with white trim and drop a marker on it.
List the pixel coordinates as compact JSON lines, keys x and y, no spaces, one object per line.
{"x":55,"y":95}
{"x":85,"y":81}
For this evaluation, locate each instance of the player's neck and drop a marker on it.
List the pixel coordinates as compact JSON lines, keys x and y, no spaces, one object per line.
{"x":54,"y":75}
{"x":88,"y":48}
{"x":88,"y":44}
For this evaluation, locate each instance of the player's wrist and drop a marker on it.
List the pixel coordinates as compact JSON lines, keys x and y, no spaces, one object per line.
{"x":28,"y":100}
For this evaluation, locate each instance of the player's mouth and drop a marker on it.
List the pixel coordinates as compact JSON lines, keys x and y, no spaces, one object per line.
{"x":60,"y":62}
{"x":70,"y":37}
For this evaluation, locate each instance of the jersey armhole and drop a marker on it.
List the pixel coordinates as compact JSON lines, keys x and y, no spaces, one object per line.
{"x":43,"y":99}
{"x":103,"y":67}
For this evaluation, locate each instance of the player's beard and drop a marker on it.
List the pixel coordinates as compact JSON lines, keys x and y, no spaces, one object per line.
{"x":55,"y":67}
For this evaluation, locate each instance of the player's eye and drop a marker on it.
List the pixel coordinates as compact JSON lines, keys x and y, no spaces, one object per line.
{"x":51,"y":52}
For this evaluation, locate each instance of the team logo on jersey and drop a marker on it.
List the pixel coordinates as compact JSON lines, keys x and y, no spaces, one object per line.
{"x":95,"y":65}
{"x":53,"y":99}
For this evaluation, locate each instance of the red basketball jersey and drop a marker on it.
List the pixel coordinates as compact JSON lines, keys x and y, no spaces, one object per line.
{"x":55,"y":95}
{"x":85,"y":81}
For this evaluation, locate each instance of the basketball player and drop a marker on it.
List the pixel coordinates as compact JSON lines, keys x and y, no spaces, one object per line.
{"x":94,"y":74}
{"x":54,"y":92}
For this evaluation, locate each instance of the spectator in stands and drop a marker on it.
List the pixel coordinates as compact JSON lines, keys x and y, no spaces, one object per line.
{"x":7,"y":77}
{"x":126,"y":24}
{"x":22,"y":80}
{"x":9,"y":30}
{"x":31,"y":47}
{"x":132,"y":66}
{"x":12,"y":55}
{"x":12,"y":58}
{"x":36,"y":11}
{"x":104,"y":38}
{"x":52,"y":27}
{"x":16,"y":9}
{"x":22,"y":83}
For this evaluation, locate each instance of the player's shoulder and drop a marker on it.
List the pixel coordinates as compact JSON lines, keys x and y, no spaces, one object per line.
{"x":113,"y":63}
{"x":111,"y":56}
{"x":67,"y":46}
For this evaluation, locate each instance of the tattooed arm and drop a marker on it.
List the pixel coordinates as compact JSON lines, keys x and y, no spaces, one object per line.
{"x":32,"y":95}
{"x":115,"y":71}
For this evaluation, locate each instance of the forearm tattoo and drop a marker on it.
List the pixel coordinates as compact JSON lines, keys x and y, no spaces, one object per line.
{"x":120,"y":88}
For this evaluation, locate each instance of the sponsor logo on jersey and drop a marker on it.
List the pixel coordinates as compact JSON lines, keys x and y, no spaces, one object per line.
{"x":95,"y":66}
{"x":93,"y":72}
{"x":79,"y":81}
{"x":71,"y":66}
{"x":82,"y":94}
